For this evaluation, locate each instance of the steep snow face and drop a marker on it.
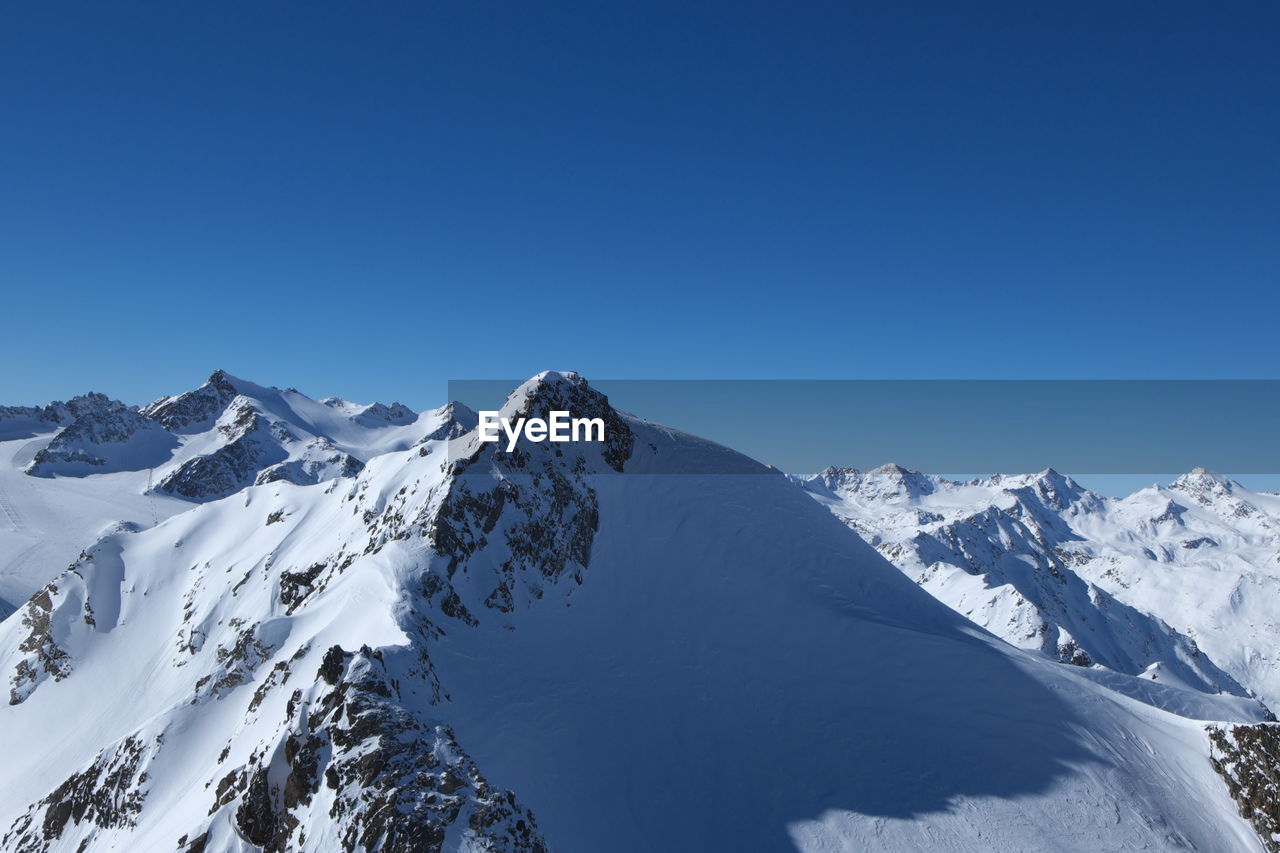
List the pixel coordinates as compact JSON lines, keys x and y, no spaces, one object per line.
{"x":649,"y":661}
{"x":1176,"y":584}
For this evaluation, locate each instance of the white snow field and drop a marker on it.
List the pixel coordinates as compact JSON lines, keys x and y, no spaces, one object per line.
{"x":576,"y":648}
{"x":45,"y":523}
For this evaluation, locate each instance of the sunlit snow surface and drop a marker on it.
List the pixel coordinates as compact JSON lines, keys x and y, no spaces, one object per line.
{"x":729,"y":668}
{"x":1140,"y":584}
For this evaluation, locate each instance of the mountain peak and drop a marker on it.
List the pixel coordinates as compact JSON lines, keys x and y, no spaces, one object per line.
{"x":196,"y":409}
{"x":1050,"y":488}
{"x":1199,"y":480}
{"x":556,"y":377}
{"x":1061,"y":481}
{"x":888,"y":480}
{"x":553,"y":390}
{"x":550,"y":385}
{"x":224,"y":381}
{"x":557,"y":391}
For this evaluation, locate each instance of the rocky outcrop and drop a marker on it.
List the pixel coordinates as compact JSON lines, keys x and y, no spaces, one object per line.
{"x":107,"y":794}
{"x":513,"y":524}
{"x":249,"y":448}
{"x":27,"y":421}
{"x":381,"y":414}
{"x":42,"y":657}
{"x":105,"y":435}
{"x":1248,"y":760}
{"x":193,"y":410}
{"x":352,"y":756}
{"x":456,"y":420}
{"x":319,"y":460}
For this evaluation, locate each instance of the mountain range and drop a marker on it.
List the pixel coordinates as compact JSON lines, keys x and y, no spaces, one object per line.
{"x":1175,"y":583}
{"x":249,"y":620}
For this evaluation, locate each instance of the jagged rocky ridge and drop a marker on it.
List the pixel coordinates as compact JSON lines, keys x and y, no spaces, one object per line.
{"x":27,"y":421}
{"x":105,"y":436}
{"x":647,"y":662}
{"x":217,"y":439}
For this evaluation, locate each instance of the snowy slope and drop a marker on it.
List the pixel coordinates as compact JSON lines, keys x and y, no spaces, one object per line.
{"x":1178,"y":583}
{"x":46,"y":522}
{"x":1203,"y":554}
{"x":93,"y":462}
{"x":649,"y":660}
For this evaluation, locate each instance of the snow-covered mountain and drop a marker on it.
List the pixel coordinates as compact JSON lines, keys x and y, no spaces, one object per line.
{"x":1176,"y":583}
{"x":225,"y":435}
{"x":69,"y":470}
{"x":572,"y":647}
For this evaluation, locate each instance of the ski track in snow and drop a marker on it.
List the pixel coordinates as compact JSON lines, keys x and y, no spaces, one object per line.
{"x":10,"y":511}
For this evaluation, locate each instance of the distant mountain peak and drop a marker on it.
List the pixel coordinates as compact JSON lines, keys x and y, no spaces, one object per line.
{"x":217,"y":438}
{"x":456,"y":419}
{"x":1201,"y":481}
{"x":888,"y":481}
{"x":381,"y":414}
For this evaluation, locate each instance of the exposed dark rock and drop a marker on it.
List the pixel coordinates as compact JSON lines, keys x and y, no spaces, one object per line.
{"x":399,"y":782}
{"x":196,"y":409}
{"x":256,"y":815}
{"x":1172,"y":512}
{"x":1247,"y":757}
{"x":1070,"y":652}
{"x":458,"y":420}
{"x":381,"y":414}
{"x":43,"y":656}
{"x":80,"y":447}
{"x":320,"y":461}
{"x":296,"y":586}
{"x":231,"y":467}
{"x":571,"y":393}
{"x":108,"y":793}
{"x":332,"y":665}
{"x":237,"y":661}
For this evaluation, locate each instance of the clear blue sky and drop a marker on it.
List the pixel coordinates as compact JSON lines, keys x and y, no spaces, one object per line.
{"x":369,"y":199}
